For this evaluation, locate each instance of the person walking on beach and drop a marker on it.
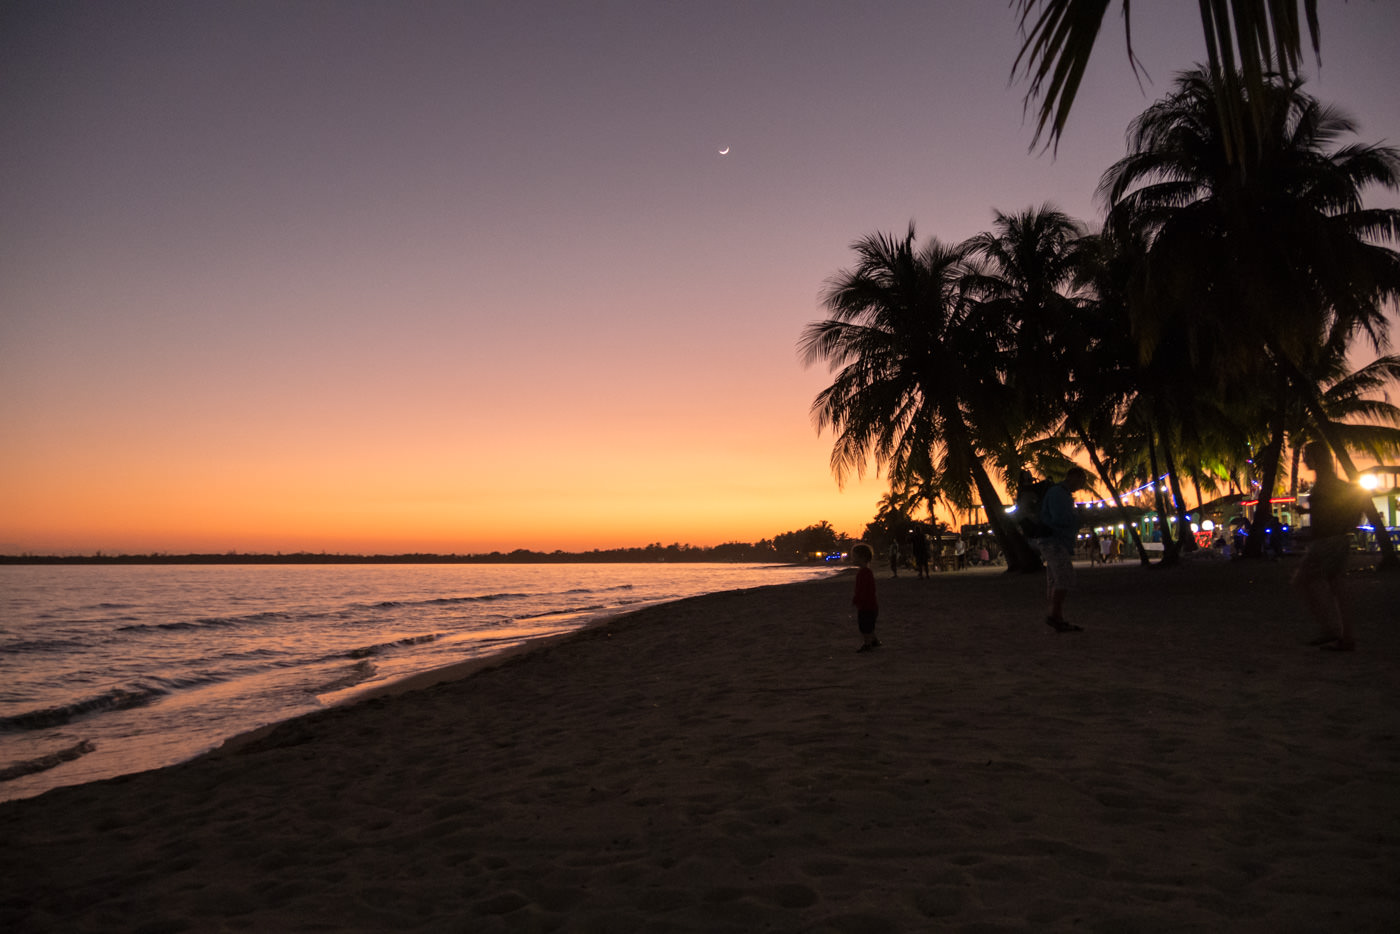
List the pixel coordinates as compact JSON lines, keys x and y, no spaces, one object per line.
{"x":894,"y":557}
{"x":918,"y":542}
{"x":1335,"y":507}
{"x":1057,"y":548}
{"x":867,"y":607}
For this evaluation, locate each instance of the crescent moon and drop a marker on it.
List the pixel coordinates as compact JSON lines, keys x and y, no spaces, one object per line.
{"x":724,"y":151}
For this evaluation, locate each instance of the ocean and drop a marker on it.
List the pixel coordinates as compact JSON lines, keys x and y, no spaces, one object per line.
{"x":107,"y":670}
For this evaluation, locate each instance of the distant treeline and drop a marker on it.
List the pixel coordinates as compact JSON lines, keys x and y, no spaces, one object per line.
{"x":737,"y":553}
{"x":809,"y":544}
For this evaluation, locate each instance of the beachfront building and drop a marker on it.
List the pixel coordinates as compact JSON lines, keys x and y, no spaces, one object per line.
{"x":1383,"y":483}
{"x":1221,"y":523}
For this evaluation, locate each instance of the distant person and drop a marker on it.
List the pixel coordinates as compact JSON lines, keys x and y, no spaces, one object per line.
{"x":984,"y":556}
{"x":867,"y":607}
{"x":1105,"y":548}
{"x":1335,"y":507}
{"x":918,"y":544}
{"x":1273,"y":534}
{"x":1240,"y":535}
{"x":894,"y":558}
{"x":1057,"y":548}
{"x":960,"y":553}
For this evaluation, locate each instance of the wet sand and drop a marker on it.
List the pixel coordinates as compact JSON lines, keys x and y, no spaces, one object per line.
{"x":730,"y":763}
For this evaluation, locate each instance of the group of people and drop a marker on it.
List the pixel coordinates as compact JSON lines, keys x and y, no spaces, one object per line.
{"x":924,"y":556}
{"x":1103,"y":549}
{"x":1335,"y":506}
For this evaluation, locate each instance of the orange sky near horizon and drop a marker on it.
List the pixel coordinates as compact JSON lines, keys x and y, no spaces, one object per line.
{"x":370,"y":278}
{"x":388,"y":491}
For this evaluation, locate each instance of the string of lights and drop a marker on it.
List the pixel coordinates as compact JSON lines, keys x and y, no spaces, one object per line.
{"x":1104,"y":503}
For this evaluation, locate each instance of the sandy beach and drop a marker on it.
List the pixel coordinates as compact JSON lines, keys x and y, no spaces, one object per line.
{"x":730,"y":763}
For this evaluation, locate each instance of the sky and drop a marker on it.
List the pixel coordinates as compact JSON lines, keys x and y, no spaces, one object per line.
{"x":373,"y":277}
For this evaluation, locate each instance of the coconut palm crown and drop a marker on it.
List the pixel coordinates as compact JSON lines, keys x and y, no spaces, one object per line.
{"x":1255,"y":266}
{"x":909,"y":366}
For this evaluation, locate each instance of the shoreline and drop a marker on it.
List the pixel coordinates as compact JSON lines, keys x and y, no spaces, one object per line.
{"x":728,"y":763}
{"x":455,"y":671}
{"x":37,"y":762}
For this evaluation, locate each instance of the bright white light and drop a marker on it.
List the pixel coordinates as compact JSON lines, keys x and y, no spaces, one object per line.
{"x":1370,"y":481}
{"x":1208,"y":525}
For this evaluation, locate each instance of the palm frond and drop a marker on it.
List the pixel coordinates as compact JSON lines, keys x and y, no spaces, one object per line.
{"x":1058,"y":43}
{"x":1246,"y":41}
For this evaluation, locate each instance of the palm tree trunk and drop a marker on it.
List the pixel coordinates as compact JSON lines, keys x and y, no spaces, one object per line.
{"x":1293,"y":483}
{"x":1183,"y":522}
{"x":1268,"y":478}
{"x":1019,"y":554}
{"x":1163,"y":517}
{"x":1099,"y":469}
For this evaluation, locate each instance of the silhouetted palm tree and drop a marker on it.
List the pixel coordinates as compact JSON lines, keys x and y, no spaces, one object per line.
{"x":1067,"y":362}
{"x":1034,"y":262}
{"x":1358,"y":413}
{"x":1362,"y":417}
{"x":908,"y":369}
{"x":1267,"y":252}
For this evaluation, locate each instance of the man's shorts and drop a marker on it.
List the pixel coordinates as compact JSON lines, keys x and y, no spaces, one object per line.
{"x":1325,"y":558}
{"x":1059,"y":565}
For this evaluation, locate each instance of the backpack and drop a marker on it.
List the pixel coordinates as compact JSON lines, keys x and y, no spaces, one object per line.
{"x":1028,"y":503}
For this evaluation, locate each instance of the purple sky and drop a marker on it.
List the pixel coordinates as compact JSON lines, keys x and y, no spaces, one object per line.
{"x":465,"y":276}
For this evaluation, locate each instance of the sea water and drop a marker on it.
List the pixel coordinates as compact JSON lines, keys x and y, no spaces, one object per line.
{"x":107,"y":670}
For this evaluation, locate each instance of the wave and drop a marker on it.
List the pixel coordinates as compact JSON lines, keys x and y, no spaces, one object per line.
{"x":564,"y":611}
{"x":491,"y":597}
{"x":447,"y":601}
{"x":479,"y":598}
{"x":379,"y":647}
{"x":351,"y":611}
{"x":44,"y":763}
{"x":20,"y":646}
{"x":115,"y":699}
{"x":208,"y":622}
{"x":360,"y":671}
{"x":581,"y":608}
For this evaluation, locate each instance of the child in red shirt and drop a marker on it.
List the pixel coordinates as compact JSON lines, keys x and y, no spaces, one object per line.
{"x":867,"y":608}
